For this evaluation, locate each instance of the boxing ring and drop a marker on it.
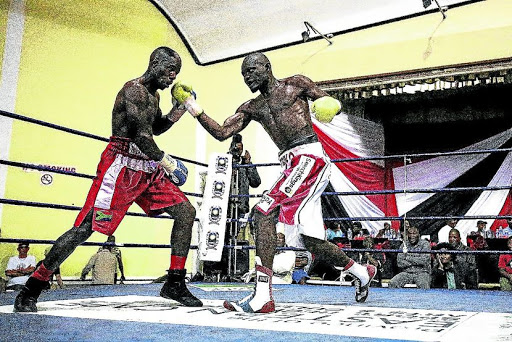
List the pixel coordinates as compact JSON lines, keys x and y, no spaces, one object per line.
{"x":135,"y":312}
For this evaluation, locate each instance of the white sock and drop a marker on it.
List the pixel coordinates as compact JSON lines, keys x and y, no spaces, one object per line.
{"x":360,"y":272}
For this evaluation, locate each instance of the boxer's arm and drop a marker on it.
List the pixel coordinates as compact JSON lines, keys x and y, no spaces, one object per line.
{"x":231,"y":126}
{"x":164,"y":122}
{"x":309,"y":88}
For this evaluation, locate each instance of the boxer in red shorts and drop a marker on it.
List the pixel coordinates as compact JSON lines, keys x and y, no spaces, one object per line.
{"x":132,"y":169}
{"x":282,"y":109}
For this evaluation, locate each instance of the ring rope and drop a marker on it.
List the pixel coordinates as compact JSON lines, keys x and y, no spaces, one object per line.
{"x":76,"y":132}
{"x":150,"y":245}
{"x":69,"y":207}
{"x":373,"y":192}
{"x":64,"y":172}
{"x":384,"y":218}
{"x":396,"y":156}
{"x":326,"y":193}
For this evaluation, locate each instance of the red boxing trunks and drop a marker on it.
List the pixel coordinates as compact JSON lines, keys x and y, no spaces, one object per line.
{"x":126,"y":175}
{"x":306,"y":171}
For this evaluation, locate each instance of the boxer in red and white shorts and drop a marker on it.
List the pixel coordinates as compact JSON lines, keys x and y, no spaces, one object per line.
{"x":283,"y":109}
{"x":305,"y":175}
{"x":126,"y":175}
{"x":132,"y":169}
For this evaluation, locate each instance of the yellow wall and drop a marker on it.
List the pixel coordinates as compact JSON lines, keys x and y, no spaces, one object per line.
{"x":77,"y":55}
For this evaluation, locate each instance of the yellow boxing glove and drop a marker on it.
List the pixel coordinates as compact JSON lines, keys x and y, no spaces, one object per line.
{"x":184,"y":95}
{"x":325,"y":108}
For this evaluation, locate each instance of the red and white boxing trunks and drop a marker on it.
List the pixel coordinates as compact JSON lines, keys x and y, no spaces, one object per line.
{"x":305,"y":175}
{"x":126,"y":175}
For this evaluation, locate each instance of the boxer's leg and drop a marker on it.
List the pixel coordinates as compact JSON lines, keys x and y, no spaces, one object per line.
{"x":330,"y":253}
{"x":174,"y":288}
{"x":61,"y":250}
{"x":261,"y":300}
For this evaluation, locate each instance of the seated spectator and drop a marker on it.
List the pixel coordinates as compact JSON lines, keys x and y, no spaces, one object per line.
{"x":56,"y":273}
{"x":447,"y":272}
{"x":442,"y":234}
{"x":376,"y":259}
{"x":506,"y":232}
{"x":387,"y":232}
{"x":303,"y":262}
{"x":284,"y":262}
{"x":283,"y":265}
{"x":334,"y":231}
{"x":20,"y":267}
{"x":357,"y":231}
{"x":505,"y":268}
{"x":104,"y":265}
{"x":481,"y":229}
{"x":467,"y":261}
{"x":117,"y":252}
{"x":414,"y":268}
{"x":486,"y":263}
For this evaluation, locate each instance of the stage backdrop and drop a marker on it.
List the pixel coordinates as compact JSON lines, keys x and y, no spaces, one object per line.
{"x":353,"y":137}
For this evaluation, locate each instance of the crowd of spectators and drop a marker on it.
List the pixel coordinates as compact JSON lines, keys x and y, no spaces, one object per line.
{"x":425,"y":263}
{"x":421,"y":263}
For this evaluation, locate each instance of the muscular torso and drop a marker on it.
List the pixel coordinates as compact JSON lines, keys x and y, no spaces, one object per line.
{"x":284,"y":113}
{"x":134,"y":98}
{"x":137,"y":116}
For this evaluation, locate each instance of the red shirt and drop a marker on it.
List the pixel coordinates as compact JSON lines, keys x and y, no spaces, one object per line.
{"x":505,"y":262}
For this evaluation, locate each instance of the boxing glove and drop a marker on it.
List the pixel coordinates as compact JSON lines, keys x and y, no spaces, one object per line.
{"x":325,"y":108}
{"x":174,"y":169}
{"x":184,"y":95}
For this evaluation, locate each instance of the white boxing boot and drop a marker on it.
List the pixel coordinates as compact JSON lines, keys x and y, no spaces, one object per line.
{"x":261,"y":300}
{"x":363,"y":275}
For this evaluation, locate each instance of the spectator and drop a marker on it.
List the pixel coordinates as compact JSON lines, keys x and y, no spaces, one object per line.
{"x":376,"y":259}
{"x":357,"y":231}
{"x":56,"y":273}
{"x":387,"y":232}
{"x":442,"y":234}
{"x":505,"y":268}
{"x":477,"y":240}
{"x":104,"y":265}
{"x":414,"y":267}
{"x":246,"y":176}
{"x":447,"y":272}
{"x":334,"y":231}
{"x":303,"y":262}
{"x":481,"y":229}
{"x":506,"y":232}
{"x":283,"y":265}
{"x":467,"y":261}
{"x":117,"y":252}
{"x":20,"y":267}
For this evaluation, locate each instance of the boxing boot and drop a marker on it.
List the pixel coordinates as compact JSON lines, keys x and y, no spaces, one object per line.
{"x":261,"y":300}
{"x":27,"y":298}
{"x":174,"y":288}
{"x":363,"y":276}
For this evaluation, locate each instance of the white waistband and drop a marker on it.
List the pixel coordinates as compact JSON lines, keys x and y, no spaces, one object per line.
{"x":314,"y":149}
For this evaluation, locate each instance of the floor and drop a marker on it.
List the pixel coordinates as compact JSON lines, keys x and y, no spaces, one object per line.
{"x":303,"y":313}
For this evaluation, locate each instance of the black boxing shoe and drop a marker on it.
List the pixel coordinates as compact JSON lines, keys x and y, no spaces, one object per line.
{"x":174,"y":288}
{"x":23,"y":303}
{"x":27,"y":298}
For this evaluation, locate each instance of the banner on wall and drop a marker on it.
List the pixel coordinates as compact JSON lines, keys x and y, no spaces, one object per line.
{"x":352,"y":137}
{"x":213,"y":213}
